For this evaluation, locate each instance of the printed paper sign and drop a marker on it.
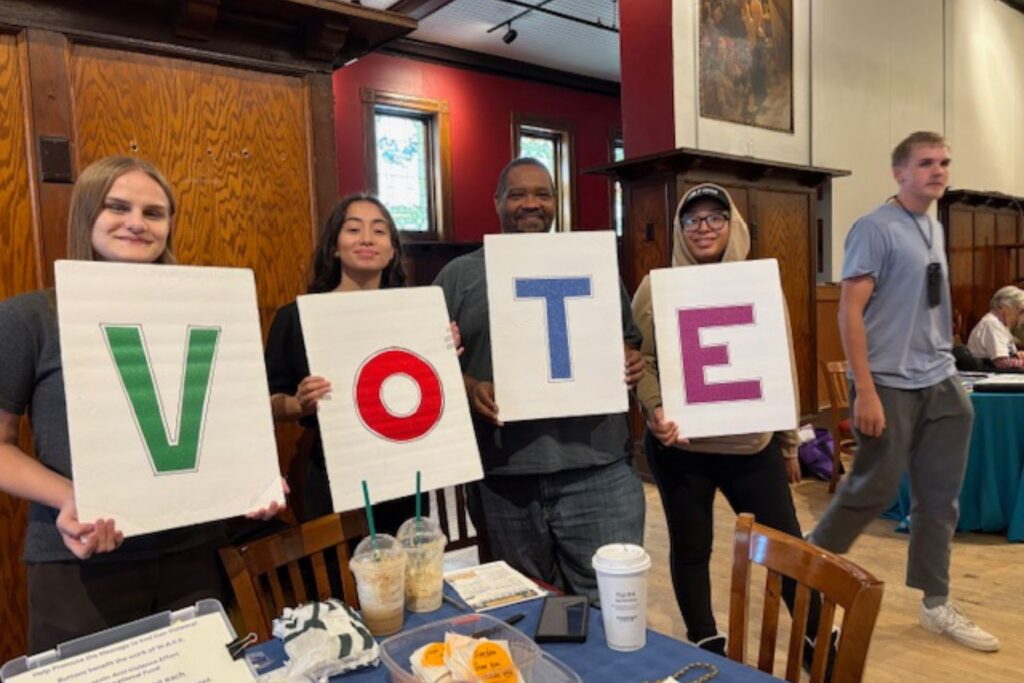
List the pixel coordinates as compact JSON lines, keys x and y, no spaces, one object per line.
{"x":168,"y":409}
{"x":556,"y":325}
{"x":397,"y":403}
{"x":723,"y":348}
{"x":190,"y":651}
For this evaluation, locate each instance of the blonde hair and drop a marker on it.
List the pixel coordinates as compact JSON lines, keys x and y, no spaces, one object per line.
{"x":901,"y":153}
{"x":91,"y":190}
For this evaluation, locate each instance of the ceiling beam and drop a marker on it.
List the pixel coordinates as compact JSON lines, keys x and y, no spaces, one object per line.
{"x":418,"y":9}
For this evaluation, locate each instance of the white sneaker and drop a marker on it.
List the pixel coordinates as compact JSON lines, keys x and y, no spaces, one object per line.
{"x":948,"y":619}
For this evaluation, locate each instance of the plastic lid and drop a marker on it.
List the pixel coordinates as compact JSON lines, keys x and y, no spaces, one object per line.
{"x":385,"y":547}
{"x":420,"y":531}
{"x":621,"y":558}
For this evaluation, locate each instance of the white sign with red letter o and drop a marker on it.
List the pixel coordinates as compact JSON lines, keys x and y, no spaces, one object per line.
{"x":398,"y":403}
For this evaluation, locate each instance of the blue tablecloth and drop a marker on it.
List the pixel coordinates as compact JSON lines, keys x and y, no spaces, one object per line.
{"x":592,"y":660}
{"x":992,"y":498}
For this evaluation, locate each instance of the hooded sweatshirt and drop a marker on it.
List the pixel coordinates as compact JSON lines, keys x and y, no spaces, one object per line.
{"x":648,"y":389}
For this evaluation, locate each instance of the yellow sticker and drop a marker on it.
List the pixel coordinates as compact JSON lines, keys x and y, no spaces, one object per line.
{"x":433,"y":655}
{"x":492,"y":663}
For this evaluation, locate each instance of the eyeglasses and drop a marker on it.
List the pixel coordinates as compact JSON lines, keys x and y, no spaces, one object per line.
{"x":716,"y":222}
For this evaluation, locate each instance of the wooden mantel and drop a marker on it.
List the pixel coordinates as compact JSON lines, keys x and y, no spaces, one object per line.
{"x":296,"y":35}
{"x":685,"y":160}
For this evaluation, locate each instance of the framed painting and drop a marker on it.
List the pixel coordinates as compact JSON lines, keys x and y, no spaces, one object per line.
{"x":746,"y":62}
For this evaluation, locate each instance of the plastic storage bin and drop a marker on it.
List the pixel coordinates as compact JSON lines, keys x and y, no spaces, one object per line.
{"x":534,"y":665}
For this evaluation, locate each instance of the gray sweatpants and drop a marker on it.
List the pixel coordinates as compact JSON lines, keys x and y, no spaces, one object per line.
{"x":927,"y":434}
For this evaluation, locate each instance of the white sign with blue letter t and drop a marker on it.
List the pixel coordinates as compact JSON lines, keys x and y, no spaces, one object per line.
{"x":556,"y":325}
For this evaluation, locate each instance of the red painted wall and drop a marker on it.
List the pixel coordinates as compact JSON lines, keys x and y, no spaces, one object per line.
{"x":480,"y":107}
{"x":645,"y":43}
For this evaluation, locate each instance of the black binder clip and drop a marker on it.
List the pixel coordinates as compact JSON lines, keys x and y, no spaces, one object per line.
{"x":236,"y":648}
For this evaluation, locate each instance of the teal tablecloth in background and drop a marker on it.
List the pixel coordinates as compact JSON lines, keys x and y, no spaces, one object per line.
{"x":992,"y":498}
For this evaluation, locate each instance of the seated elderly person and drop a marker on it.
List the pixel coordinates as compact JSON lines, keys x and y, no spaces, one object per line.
{"x":991,"y":338}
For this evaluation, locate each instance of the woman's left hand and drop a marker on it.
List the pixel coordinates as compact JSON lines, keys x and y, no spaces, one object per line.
{"x":457,"y":339}
{"x":793,"y":470}
{"x":269,"y":512}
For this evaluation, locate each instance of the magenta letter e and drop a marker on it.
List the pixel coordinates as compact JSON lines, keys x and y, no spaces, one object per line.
{"x":696,"y":357}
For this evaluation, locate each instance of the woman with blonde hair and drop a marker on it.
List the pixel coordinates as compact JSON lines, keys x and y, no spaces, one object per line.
{"x":83,"y":576}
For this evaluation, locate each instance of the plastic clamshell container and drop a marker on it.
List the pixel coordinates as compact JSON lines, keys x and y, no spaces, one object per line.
{"x":534,"y":665}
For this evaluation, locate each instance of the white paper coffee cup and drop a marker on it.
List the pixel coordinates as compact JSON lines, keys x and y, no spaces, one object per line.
{"x":622,"y":583}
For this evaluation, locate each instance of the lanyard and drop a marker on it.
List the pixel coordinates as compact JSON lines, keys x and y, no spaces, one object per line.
{"x":930,"y":239}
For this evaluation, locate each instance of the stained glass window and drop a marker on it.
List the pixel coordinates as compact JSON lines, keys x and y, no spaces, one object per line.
{"x":403,"y":168}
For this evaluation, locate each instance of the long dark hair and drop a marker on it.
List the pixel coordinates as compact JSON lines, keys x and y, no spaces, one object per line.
{"x":326,"y":265}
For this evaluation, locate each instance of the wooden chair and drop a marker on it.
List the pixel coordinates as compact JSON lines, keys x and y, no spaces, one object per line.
{"x":462,"y":520}
{"x":271,"y":573}
{"x":839,"y":581}
{"x":842,"y":430}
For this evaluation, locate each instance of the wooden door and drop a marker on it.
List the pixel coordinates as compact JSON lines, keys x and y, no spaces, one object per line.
{"x":234,"y":145}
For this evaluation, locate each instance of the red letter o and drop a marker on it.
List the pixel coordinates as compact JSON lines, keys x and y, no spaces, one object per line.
{"x":375,"y":415}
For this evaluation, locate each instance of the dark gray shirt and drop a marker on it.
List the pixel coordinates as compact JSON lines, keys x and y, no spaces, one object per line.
{"x":532,"y":446}
{"x":31,"y":380}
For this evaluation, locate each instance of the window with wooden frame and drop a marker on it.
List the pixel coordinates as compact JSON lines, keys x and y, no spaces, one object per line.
{"x":552,"y":143}
{"x":408,"y":161}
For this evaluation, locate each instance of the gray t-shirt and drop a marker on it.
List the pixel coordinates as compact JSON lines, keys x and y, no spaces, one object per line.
{"x":31,"y":379}
{"x":533,"y":446}
{"x":910,"y":345}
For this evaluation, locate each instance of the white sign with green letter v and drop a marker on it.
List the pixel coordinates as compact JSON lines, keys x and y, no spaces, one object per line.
{"x":168,"y":414}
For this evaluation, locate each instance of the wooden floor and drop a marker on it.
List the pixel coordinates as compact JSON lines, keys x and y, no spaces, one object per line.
{"x":987,"y":580}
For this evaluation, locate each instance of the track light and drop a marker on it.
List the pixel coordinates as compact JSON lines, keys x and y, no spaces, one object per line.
{"x":510,"y":35}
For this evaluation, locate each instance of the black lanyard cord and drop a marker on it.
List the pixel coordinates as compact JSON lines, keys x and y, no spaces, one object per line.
{"x":930,"y":239}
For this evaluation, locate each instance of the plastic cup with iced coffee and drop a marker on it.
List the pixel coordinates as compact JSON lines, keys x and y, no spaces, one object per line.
{"x":424,"y":544}
{"x":379,"y":567}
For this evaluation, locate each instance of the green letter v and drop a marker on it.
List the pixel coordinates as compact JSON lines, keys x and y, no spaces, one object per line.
{"x":132,"y":361}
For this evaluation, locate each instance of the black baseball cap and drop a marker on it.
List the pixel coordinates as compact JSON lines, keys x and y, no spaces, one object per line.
{"x":704,"y":192}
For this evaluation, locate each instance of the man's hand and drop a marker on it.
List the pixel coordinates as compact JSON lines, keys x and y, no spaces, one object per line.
{"x":665,"y":432}
{"x":481,"y":400}
{"x":634,"y":367}
{"x":84,"y":540}
{"x":868,"y":416}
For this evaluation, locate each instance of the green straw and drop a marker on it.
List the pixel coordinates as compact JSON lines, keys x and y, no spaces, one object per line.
{"x":369,"y":514}
{"x":418,"y":505}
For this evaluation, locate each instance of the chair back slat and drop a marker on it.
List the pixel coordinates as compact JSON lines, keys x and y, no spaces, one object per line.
{"x":297,"y":583}
{"x":823,"y":635}
{"x":257,"y":569}
{"x":801,"y":606}
{"x":840,"y":582}
{"x":770,"y":622}
{"x":320,"y":577}
{"x":276,"y":593}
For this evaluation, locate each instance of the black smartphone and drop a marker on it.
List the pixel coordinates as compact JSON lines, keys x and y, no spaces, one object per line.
{"x":563,"y":619}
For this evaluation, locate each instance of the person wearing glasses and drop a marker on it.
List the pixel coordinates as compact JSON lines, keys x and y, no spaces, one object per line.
{"x":753,"y":471}
{"x":991,"y":339}
{"x":910,"y":412}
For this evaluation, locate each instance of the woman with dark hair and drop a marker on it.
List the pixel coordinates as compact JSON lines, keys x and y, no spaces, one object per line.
{"x":83,"y":577}
{"x":358,"y":248}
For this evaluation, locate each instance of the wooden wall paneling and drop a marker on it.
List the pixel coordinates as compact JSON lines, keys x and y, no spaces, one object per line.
{"x":984,"y":264}
{"x":960,"y":248}
{"x":322,"y":154}
{"x":19,"y":272}
{"x":784,"y":225}
{"x":830,"y":346}
{"x":50,"y":108}
{"x":648,"y":229}
{"x":1005,"y":258}
{"x":232,"y":142}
